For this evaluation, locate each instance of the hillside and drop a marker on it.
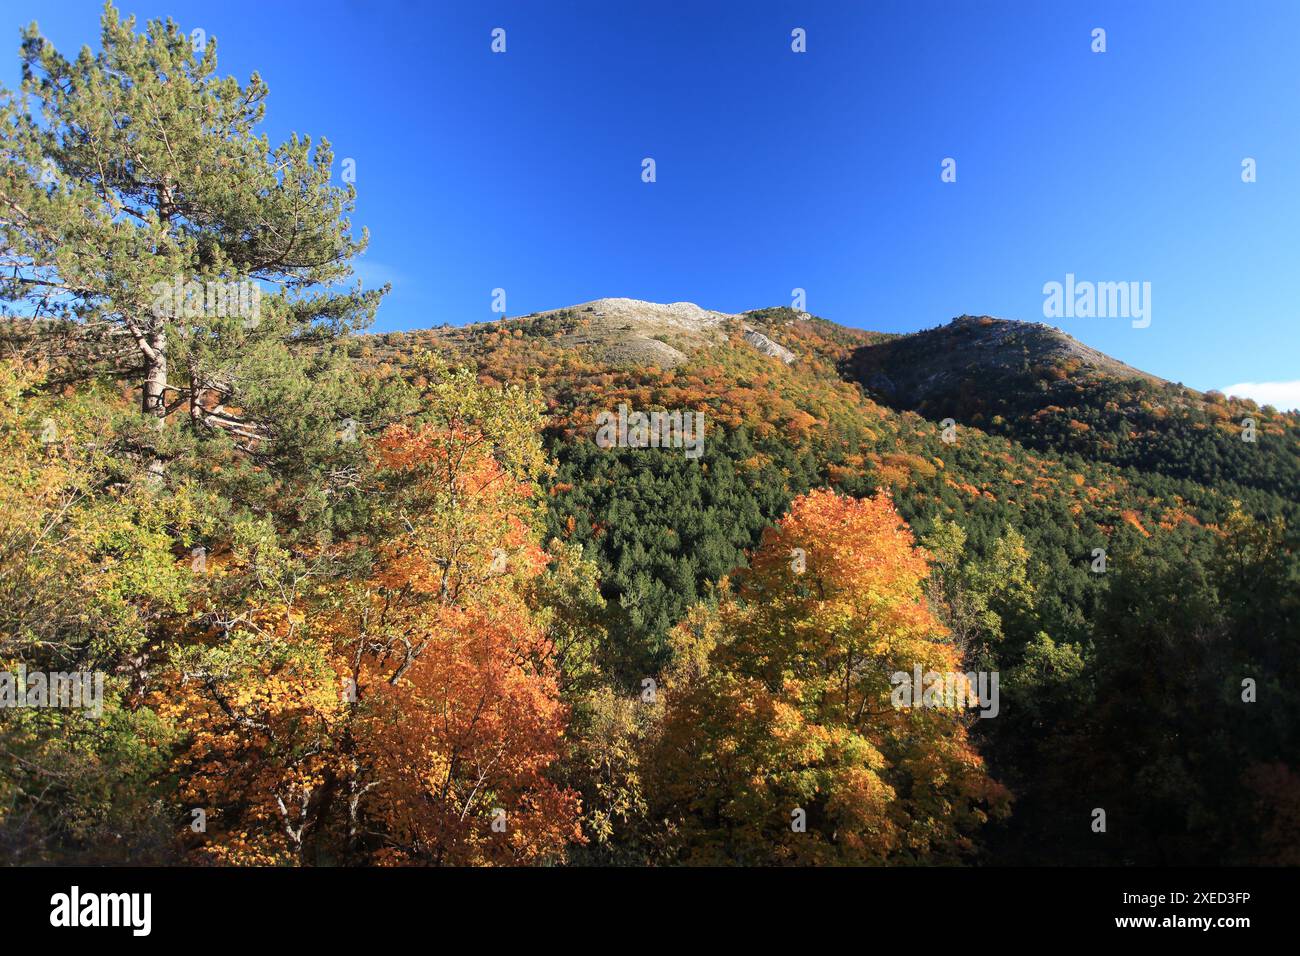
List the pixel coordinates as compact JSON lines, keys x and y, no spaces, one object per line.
{"x":1025,"y":382}
{"x":1102,"y":540}
{"x":1045,"y":389}
{"x":1066,"y":439}
{"x":1059,"y":450}
{"x":970,"y":360}
{"x":619,"y":583}
{"x":628,"y":332}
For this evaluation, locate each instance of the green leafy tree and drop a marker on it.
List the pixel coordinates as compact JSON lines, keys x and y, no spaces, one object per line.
{"x":140,"y":203}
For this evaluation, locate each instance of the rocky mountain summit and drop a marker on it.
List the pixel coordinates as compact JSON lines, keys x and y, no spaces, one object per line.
{"x":980,"y":353}
{"x":633,"y":332}
{"x":636,"y":331}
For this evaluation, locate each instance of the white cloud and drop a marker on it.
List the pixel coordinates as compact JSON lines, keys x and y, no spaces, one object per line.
{"x":371,"y":273}
{"x":1282,"y":395}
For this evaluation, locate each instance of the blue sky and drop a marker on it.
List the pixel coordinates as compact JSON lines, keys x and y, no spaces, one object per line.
{"x":819,"y":170}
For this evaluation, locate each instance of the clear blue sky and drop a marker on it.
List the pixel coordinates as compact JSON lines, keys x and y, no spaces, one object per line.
{"x":821,"y":170}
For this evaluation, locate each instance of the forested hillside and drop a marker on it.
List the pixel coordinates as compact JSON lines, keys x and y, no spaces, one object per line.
{"x":1042,"y":388}
{"x":1012,"y":509}
{"x":360,"y":599}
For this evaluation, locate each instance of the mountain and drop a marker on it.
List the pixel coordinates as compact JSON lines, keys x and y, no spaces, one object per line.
{"x":1027,"y":382}
{"x":623,"y":332}
{"x":1085,"y":520}
{"x":818,"y":384}
{"x":1113,"y":554}
{"x":1046,"y":390}
{"x":273,"y":593}
{"x":1054,"y":439}
{"x":967,"y":363}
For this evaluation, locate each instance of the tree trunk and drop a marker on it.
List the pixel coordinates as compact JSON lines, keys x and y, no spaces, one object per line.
{"x":154,"y":393}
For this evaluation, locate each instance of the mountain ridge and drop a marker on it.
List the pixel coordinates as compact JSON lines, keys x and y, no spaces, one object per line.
{"x":1026,"y":382}
{"x":634,"y":331}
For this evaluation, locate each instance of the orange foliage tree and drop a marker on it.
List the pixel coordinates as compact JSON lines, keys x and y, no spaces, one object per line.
{"x":409,"y":713}
{"x":458,"y":705}
{"x":781,"y":743}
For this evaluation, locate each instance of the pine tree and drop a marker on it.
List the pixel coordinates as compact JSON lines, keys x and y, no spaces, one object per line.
{"x":141,"y":205}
